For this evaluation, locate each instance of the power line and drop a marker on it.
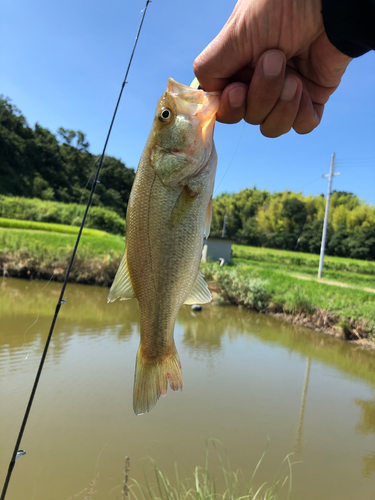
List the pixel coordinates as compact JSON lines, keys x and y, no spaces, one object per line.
{"x":356,"y":161}
{"x":17,"y":452}
{"x":372,"y":158}
{"x":345,"y":165}
{"x":311,"y":182}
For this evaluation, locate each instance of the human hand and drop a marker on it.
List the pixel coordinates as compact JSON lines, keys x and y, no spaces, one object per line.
{"x":275,"y":65}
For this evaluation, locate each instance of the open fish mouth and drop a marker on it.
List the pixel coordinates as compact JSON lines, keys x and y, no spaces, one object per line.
{"x":178,"y":88}
{"x":198,"y":103}
{"x":199,"y":108}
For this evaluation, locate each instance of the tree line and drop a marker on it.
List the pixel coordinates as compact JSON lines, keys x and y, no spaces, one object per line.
{"x":34,"y":162}
{"x":291,"y":221}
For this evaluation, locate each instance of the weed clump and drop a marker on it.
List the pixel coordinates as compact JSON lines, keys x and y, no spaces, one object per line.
{"x":202,"y":484}
{"x":298,"y":302}
{"x":245,"y":290}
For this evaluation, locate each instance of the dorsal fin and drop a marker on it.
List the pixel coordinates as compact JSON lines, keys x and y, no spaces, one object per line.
{"x":200,"y":293}
{"x":121,"y":287}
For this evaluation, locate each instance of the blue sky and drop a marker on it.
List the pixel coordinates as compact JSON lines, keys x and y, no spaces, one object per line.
{"x":63,"y":63}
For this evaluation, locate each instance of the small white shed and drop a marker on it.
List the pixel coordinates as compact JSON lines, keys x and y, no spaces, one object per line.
{"x":216,"y":249}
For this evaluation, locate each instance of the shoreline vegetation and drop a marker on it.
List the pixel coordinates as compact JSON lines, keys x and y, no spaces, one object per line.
{"x":202,"y":483}
{"x":260,"y":279}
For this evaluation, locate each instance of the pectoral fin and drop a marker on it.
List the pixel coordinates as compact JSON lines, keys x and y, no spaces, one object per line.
{"x":208,"y":220}
{"x":200,"y":293}
{"x":182,"y":207}
{"x":121,"y":287}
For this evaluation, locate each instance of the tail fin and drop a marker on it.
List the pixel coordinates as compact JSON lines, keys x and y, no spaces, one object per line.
{"x":151,"y":380}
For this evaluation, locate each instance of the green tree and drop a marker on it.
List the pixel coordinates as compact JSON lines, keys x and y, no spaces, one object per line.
{"x":37,"y":163}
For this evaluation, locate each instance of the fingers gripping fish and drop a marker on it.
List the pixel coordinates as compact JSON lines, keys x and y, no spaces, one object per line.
{"x":169,"y":211}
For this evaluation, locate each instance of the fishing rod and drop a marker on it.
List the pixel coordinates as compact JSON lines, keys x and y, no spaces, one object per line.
{"x":17,"y":451}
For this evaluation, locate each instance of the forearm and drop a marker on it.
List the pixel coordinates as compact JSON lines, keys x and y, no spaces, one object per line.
{"x":350,"y":25}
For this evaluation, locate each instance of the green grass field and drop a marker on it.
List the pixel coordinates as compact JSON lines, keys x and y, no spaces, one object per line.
{"x":353,"y":272}
{"x":49,"y":227}
{"x":42,"y":238}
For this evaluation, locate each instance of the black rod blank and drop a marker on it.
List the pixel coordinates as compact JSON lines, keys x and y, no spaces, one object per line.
{"x":17,"y":452}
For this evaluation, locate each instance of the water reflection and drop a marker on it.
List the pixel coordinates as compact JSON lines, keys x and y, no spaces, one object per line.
{"x":87,"y":310}
{"x":298,"y":448}
{"x":368,"y":464}
{"x":367,"y":426}
{"x":248,"y":377}
{"x":367,"y":423}
{"x":25,"y":323}
{"x":202,"y":334}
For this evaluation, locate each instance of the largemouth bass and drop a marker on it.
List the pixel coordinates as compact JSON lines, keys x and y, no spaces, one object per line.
{"x":169,"y":211}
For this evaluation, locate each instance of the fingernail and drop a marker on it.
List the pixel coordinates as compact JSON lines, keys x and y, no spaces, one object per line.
{"x":273,"y":63}
{"x":236,"y":97}
{"x":289,"y":89}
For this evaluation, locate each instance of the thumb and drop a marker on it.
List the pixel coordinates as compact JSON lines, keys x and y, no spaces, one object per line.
{"x":223,"y":58}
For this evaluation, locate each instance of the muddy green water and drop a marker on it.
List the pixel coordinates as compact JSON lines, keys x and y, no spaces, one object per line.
{"x":249,"y":380}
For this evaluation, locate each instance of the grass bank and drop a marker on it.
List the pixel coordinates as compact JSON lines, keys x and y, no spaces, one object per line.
{"x":259,"y":279}
{"x":203,"y":484}
{"x":345,"y":312}
{"x":40,"y":250}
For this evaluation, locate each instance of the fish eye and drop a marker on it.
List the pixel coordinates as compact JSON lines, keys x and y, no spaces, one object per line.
{"x":165,"y":115}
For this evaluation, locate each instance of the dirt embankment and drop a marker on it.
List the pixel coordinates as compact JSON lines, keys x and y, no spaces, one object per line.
{"x":85,"y":271}
{"x":320,"y":320}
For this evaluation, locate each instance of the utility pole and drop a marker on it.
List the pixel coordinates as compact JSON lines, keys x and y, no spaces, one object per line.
{"x":322,"y":248}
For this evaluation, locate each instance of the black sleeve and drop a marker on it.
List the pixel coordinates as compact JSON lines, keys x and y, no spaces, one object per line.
{"x":350,"y":25}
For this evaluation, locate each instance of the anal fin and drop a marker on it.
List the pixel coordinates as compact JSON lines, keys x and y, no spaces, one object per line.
{"x":121,"y":287}
{"x":200,"y":293}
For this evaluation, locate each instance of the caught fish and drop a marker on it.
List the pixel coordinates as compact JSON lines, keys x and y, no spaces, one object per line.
{"x":169,"y":212}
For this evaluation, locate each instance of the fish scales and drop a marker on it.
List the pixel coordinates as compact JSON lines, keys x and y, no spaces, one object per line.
{"x":168,"y":213}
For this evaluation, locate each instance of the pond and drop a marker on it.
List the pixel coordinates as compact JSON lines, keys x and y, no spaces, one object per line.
{"x":251,"y":381}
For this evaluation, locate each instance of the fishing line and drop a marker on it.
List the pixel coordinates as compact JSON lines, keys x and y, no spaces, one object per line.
{"x":37,"y":481}
{"x":230,"y":163}
{"x":116,"y":412}
{"x":104,"y":447}
{"x":61,"y":301}
{"x":24,"y":337}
